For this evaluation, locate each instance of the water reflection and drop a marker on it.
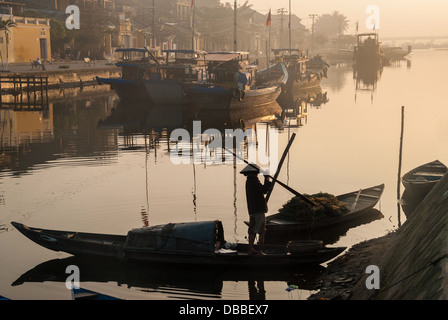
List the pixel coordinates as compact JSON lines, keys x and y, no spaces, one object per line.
{"x":171,"y":281}
{"x":64,"y":130}
{"x":366,"y":77}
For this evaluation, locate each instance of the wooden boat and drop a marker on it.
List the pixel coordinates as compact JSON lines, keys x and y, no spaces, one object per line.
{"x":303,"y":72}
{"x":369,"y":50}
{"x":396,"y":53}
{"x":233,"y":83}
{"x":171,"y":80}
{"x":134,"y":63}
{"x":199,"y":244}
{"x":148,"y":78}
{"x":360,"y":203}
{"x":419,"y":181}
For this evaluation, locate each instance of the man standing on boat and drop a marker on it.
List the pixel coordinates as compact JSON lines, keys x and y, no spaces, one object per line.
{"x":256,"y":205}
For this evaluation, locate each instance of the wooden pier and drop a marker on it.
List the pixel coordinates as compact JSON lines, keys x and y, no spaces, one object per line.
{"x":24,"y":92}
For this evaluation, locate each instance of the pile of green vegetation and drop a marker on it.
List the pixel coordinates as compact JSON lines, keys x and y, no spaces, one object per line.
{"x":297,"y":209}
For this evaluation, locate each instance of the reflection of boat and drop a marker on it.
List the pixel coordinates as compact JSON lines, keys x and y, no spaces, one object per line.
{"x":84,"y":294}
{"x":366,"y":77}
{"x":369,"y":50}
{"x":419,"y":181}
{"x":234,"y":84}
{"x":199,"y":244}
{"x":359,"y":204}
{"x":237,"y":118}
{"x":171,"y":280}
{"x":410,"y":202}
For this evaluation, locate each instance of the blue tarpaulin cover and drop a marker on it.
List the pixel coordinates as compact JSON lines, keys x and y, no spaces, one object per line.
{"x":187,"y":236}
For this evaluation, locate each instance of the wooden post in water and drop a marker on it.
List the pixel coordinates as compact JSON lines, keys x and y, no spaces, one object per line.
{"x":399,"y":166}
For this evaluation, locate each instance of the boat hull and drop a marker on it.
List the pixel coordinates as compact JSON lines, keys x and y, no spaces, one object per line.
{"x":165,"y":92}
{"x":126,"y":89}
{"x":113,"y":246}
{"x":360,"y":206}
{"x":419,"y":181}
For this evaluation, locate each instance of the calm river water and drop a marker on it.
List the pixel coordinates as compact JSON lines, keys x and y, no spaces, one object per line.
{"x":59,"y":169}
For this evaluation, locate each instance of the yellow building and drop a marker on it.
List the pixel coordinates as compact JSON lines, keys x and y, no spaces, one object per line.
{"x":30,"y":39}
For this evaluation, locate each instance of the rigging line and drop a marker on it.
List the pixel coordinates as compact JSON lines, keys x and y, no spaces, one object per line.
{"x":431,"y":263}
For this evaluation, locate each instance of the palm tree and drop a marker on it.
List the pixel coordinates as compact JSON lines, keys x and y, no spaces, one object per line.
{"x":6,"y":25}
{"x":341,"y":21}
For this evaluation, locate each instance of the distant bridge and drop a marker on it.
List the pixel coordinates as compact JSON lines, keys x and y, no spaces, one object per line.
{"x":413,"y":39}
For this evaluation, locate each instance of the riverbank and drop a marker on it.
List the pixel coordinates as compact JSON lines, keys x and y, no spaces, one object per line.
{"x":342,"y":274}
{"x":412,"y":262}
{"x":62,"y":74}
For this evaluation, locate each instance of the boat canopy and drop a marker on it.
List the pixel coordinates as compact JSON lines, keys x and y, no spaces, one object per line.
{"x":187,"y":236}
{"x":224,"y":56}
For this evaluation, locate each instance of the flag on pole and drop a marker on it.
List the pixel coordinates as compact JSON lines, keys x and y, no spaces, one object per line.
{"x":192,"y":3}
{"x":268,"y":22}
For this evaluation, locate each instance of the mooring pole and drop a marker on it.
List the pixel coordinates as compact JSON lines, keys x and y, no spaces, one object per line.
{"x":399,"y":166}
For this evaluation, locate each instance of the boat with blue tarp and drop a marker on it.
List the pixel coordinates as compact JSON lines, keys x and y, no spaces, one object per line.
{"x":199,"y":244}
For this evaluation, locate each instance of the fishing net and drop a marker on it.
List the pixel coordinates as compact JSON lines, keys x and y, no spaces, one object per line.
{"x":296,"y":209}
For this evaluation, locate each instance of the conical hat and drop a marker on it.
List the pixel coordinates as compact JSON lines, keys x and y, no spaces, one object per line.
{"x":250,"y":168}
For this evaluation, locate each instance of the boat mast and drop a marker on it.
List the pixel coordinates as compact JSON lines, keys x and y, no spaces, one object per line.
{"x":289,"y":26}
{"x":235,"y":48}
{"x":153,"y":24}
{"x":193,"y":5}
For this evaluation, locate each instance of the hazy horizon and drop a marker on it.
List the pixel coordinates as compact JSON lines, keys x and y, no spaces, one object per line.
{"x":397,"y":18}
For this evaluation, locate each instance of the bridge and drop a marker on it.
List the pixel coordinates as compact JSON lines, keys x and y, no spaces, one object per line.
{"x":413,"y":39}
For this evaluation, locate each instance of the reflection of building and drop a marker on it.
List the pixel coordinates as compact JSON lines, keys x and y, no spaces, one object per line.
{"x":28,"y":40}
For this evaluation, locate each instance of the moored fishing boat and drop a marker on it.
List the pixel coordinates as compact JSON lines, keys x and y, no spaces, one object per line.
{"x":154,"y":80}
{"x":194,"y":243}
{"x":171,"y":80}
{"x":303,"y":72}
{"x":420,"y":180}
{"x":232,"y":83}
{"x":369,"y":51}
{"x":358,"y":204}
{"x":134,"y":64}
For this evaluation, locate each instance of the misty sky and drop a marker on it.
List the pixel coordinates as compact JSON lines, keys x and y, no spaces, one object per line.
{"x":397,"y":17}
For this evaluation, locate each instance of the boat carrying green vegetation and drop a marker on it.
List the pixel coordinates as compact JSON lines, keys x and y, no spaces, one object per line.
{"x":328,"y":205}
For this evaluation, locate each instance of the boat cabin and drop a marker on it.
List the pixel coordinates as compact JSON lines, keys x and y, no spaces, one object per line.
{"x":367,"y":39}
{"x":294,"y":59}
{"x":136,"y":62}
{"x":229,"y":69}
{"x":182,"y":65}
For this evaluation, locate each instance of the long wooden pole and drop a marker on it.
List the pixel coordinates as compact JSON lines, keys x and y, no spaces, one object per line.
{"x":308,"y":201}
{"x":235,"y":28}
{"x":285,"y":153}
{"x":399,"y":165}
